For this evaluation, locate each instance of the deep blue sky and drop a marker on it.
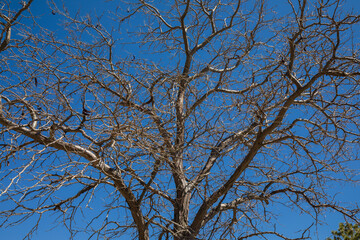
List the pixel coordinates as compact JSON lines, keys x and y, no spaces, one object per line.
{"x":288,"y":221}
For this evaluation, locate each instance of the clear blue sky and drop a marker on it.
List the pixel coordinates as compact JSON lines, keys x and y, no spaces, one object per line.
{"x":289,"y":222}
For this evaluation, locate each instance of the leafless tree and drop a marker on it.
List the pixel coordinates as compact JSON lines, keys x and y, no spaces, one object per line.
{"x":183,"y":119}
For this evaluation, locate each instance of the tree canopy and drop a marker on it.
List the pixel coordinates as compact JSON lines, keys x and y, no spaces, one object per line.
{"x":181,"y":119}
{"x":346,"y":231}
